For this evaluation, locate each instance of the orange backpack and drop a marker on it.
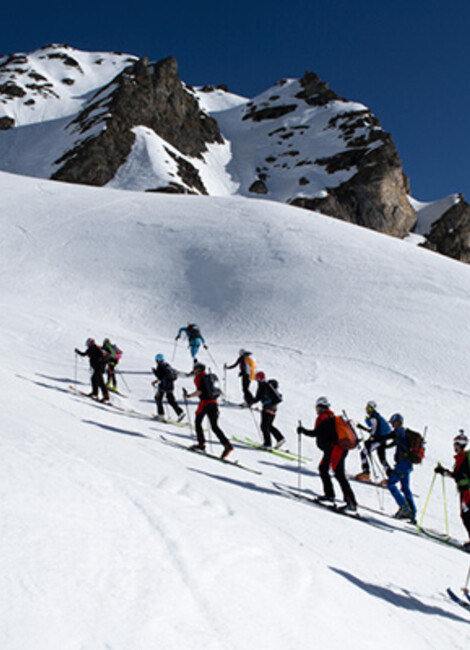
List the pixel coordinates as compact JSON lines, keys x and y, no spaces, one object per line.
{"x":347,"y":437}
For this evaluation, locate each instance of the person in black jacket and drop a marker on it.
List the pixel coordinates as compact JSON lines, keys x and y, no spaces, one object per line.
{"x":165,"y":377}
{"x":333,"y":454}
{"x":98,"y":360}
{"x":269,"y":397}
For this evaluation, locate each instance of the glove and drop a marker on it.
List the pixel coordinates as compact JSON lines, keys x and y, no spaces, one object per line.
{"x":177,"y":338}
{"x":300,"y":429}
{"x":206,"y":347}
{"x":225,"y":366}
{"x":389,"y":471}
{"x":439,"y":470}
{"x":185,"y":392}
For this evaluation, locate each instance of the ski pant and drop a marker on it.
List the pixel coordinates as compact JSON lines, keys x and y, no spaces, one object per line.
{"x":170,"y":396}
{"x":465,"y":509}
{"x":97,"y":383}
{"x":111,"y":369}
{"x":401,"y":474}
{"x":267,"y":419}
{"x":212,"y":411}
{"x":373,"y":445}
{"x":194,"y":346}
{"x":335,"y":457}
{"x":247,"y":396}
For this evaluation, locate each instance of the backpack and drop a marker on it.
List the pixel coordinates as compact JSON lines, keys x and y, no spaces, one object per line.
{"x":273,"y":391}
{"x":170,"y":373}
{"x":416,"y":444}
{"x":210,"y":387}
{"x":347,"y":437}
{"x":194,"y":332}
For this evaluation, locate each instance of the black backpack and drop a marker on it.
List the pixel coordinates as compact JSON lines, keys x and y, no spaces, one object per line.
{"x":194,"y":332}
{"x":209,"y":386}
{"x":273,"y":391}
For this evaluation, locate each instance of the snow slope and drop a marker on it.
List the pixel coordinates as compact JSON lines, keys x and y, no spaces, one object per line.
{"x":112,"y":539}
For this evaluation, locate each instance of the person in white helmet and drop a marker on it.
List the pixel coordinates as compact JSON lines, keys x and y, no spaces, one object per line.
{"x":247,"y":366}
{"x":461,"y":475}
{"x":98,"y":360}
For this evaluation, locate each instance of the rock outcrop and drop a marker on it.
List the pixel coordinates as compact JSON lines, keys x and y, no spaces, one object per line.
{"x":144,"y":94}
{"x":450,"y":235}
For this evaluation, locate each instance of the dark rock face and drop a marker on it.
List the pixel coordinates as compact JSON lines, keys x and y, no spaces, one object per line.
{"x":6,"y":123}
{"x":376,"y":195}
{"x":258,"y":187}
{"x":142,"y":95}
{"x":450,"y":235}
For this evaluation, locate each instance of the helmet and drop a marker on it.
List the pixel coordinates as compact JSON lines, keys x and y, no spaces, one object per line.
{"x":397,"y":417}
{"x":260,"y":376}
{"x":106,"y":341}
{"x":461,"y":439}
{"x":241,"y":352}
{"x":199,"y":367}
{"x":90,"y":342}
{"x":323,"y":402}
{"x":159,"y":357}
{"x":371,"y":406}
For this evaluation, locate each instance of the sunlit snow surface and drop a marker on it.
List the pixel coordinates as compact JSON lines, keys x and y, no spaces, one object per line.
{"x":111,"y":539}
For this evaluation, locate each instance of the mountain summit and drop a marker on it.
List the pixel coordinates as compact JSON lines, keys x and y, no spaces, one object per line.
{"x":110,"y":119}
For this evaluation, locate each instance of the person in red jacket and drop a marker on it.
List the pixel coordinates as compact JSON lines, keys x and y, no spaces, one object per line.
{"x":461,"y":475}
{"x":333,"y":455}
{"x":207,"y":406}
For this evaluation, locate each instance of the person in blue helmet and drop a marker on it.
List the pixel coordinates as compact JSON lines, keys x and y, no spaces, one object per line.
{"x":195,"y":339}
{"x":380,"y":431}
{"x":401,"y":471}
{"x":165,"y":377}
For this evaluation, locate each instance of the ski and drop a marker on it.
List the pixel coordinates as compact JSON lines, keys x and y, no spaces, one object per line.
{"x":442,"y":538}
{"x":98,"y":401}
{"x":282,"y":453}
{"x":158,"y":418}
{"x":456,"y":599}
{"x":332,"y":507}
{"x":379,"y":484}
{"x":234,"y":463}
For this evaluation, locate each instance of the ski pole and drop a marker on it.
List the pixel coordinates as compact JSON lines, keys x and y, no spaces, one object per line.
{"x":380,"y":499}
{"x":256,"y":424}
{"x":187,"y":413}
{"x":465,"y":589}
{"x":420,"y":524}
{"x":225,"y":382}
{"x":174,"y":350}
{"x":213,"y":360}
{"x":299,"y":461}
{"x":446,"y":518}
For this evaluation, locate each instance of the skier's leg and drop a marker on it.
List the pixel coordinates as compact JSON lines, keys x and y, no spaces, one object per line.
{"x":198,"y":426}
{"x":324,"y":468}
{"x":172,"y":402}
{"x":338,"y":458}
{"x":213,"y":415}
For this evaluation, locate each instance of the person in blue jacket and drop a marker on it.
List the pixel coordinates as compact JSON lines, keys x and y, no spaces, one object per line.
{"x":195,"y":339}
{"x":401,"y":472}
{"x":380,"y":432}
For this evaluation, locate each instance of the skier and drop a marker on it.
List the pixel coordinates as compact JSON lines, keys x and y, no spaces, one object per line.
{"x":207,"y":406}
{"x":195,"y":339}
{"x":113,"y":356}
{"x":269,"y":397}
{"x":165,"y":382}
{"x":380,"y":432}
{"x":334,"y":456}
{"x":98,"y":363}
{"x":247,"y":366}
{"x":461,"y":475}
{"x":401,"y":472}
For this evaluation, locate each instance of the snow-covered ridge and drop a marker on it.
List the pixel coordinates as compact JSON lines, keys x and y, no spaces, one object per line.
{"x":112,"y":539}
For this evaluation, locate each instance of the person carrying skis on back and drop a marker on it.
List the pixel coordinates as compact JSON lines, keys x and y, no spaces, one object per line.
{"x":334,"y":456}
{"x":269,"y":396}
{"x":380,"y":432}
{"x":113,"y":355}
{"x":401,"y":472}
{"x":97,"y":363}
{"x":195,"y":339}
{"x":461,"y":475}
{"x":247,"y":366}
{"x":207,"y":394}
{"x":165,"y":382}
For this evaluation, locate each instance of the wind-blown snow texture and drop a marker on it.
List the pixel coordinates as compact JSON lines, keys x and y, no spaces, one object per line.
{"x":111,"y":539}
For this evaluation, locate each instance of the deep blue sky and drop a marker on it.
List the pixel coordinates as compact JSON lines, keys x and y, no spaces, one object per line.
{"x":407,"y":61}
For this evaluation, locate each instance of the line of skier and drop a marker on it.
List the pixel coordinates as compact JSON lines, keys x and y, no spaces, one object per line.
{"x":382,"y":434}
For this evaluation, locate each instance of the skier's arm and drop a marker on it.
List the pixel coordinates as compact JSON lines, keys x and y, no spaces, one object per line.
{"x":233,"y":365}
{"x":180,"y":331}
{"x":82,"y":354}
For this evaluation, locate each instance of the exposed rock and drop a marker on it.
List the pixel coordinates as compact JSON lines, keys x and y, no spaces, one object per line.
{"x":271,"y":113}
{"x":315,"y":91}
{"x":144,"y":95}
{"x":258,"y":187}
{"x":10,"y":89}
{"x":450,"y":235}
{"x":6,"y":123}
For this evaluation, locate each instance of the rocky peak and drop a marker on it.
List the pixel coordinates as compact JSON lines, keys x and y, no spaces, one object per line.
{"x":144,"y":94}
{"x":450,"y":235}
